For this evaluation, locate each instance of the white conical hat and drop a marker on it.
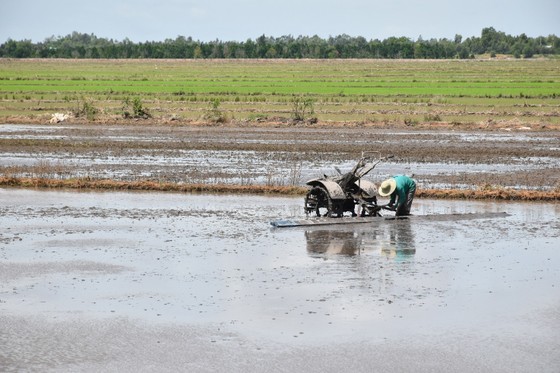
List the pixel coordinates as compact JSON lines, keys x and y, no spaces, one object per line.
{"x":387,"y":187}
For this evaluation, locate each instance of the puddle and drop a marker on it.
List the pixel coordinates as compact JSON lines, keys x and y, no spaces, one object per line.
{"x":186,"y":280}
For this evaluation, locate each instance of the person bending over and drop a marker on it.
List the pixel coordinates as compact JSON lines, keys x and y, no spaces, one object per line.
{"x":401,"y":188}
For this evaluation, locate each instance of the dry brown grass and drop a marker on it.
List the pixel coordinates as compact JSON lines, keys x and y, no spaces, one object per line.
{"x":86,"y":183}
{"x":484,"y":193}
{"x":505,"y":194}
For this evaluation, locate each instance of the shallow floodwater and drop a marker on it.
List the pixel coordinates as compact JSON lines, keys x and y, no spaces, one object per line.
{"x":467,"y":291}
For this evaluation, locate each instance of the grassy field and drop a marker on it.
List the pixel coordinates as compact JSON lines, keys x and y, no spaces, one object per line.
{"x":482,"y":93}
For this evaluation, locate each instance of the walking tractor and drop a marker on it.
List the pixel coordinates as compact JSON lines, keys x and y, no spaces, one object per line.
{"x":332,"y":196}
{"x":349,"y":193}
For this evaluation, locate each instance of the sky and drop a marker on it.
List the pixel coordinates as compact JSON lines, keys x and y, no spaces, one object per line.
{"x":239,"y":20}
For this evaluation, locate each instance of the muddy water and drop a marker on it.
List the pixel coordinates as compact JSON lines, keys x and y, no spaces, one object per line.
{"x":278,"y":156}
{"x":120,"y":281}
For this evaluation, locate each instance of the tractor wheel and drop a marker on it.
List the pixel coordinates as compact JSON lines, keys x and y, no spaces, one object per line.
{"x":318,"y":200}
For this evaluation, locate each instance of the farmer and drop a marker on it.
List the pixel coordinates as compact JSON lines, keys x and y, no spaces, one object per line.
{"x":401,"y":188}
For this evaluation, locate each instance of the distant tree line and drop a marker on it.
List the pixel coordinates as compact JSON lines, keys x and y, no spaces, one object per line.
{"x":80,"y":45}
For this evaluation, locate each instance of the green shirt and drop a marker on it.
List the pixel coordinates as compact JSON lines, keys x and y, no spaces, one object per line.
{"x":404,"y":185}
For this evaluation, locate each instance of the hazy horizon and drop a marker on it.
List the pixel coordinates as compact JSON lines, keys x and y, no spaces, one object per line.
{"x":157,"y":20}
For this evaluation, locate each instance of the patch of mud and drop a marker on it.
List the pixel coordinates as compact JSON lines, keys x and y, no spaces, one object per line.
{"x":41,"y":343}
{"x":119,"y":344}
{"x":15,"y":271}
{"x":277,"y":156}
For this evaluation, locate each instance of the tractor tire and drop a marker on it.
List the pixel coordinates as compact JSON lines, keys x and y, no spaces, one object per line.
{"x":319,"y":201}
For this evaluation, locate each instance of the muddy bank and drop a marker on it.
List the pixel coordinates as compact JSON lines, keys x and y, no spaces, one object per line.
{"x":136,"y":281}
{"x":278,"y":156}
{"x":485,"y":193}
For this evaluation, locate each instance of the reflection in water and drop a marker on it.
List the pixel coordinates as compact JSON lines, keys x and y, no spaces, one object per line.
{"x":393,"y":239}
{"x":400,"y":244}
{"x":333,"y":242}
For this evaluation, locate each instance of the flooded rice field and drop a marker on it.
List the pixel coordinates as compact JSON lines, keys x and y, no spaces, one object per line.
{"x":115,"y":281}
{"x":279,"y":156}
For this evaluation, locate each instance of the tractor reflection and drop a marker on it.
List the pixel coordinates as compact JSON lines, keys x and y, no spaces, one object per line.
{"x":392,"y":239}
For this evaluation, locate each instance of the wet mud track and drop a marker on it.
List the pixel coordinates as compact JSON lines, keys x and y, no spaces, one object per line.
{"x":119,"y":281}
